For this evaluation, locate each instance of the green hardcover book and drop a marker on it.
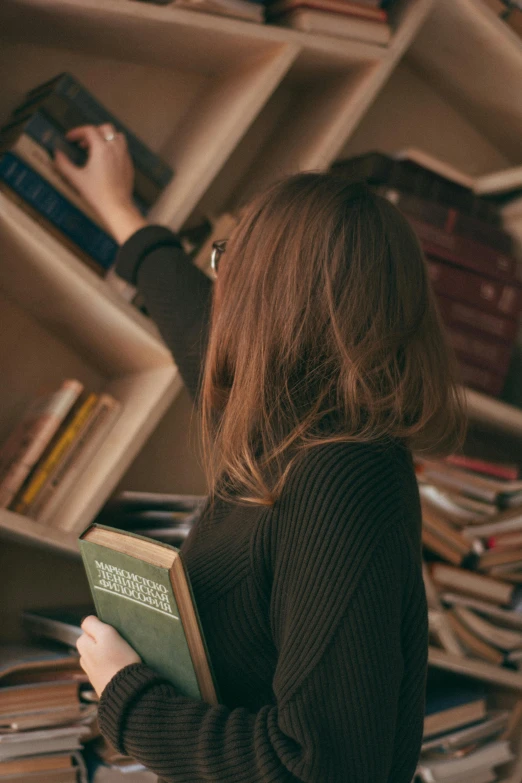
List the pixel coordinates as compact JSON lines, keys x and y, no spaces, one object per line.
{"x":141,"y":588}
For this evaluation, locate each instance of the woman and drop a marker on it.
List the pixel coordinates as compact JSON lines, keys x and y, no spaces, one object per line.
{"x":325,"y":364}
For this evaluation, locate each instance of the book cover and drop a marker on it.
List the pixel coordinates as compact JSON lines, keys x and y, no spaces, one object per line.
{"x":70,"y":221}
{"x":60,"y":625}
{"x":91,"y":111}
{"x":30,"y":438}
{"x":140,"y":587}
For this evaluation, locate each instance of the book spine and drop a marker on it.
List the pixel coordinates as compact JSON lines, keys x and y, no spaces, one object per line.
{"x":465,"y":252}
{"x":77,"y":96}
{"x":461,"y":315}
{"x":57,"y":453}
{"x":447,"y":219}
{"x":481,"y":379}
{"x":34,"y":436}
{"x":76,"y":226}
{"x":76,"y":461}
{"x":466,"y":286}
{"x":476,"y":349}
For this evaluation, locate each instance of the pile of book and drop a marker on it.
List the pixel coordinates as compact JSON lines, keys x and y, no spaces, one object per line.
{"x":54,"y":443}
{"x":472,"y":538}
{"x":471,"y":258}
{"x":161,"y":516}
{"x":249,"y":10}
{"x":359,"y":20}
{"x":46,"y":713}
{"x":28,"y":140}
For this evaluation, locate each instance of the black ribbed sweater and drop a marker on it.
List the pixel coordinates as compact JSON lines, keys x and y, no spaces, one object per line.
{"x":313,"y":609}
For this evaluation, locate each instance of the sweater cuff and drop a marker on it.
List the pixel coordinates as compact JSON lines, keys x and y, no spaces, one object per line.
{"x":118,"y":697}
{"x":139,"y":245}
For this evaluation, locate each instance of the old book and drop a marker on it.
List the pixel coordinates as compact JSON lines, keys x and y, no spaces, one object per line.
{"x":459,"y":509}
{"x":35,"y":696}
{"x":462,"y":315}
{"x":53,"y":210}
{"x":37,"y":157}
{"x":501,"y":470}
{"x":504,"y":617}
{"x":500,"y":556}
{"x":69,"y":94}
{"x":452,"y":701}
{"x":273,"y":9}
{"x":507,"y":521}
{"x":480,"y":670}
{"x":439,"y":526}
{"x":483,"y":488}
{"x":56,"y":739}
{"x":477,"y":763}
{"x":475,"y":646}
{"x":60,"y":624}
{"x":441,"y":626}
{"x":495,"y":722}
{"x":465,"y":252}
{"x":438,"y":166}
{"x":76,"y":461}
{"x":36,"y":764}
{"x":335,"y":24}
{"x":447,"y":219}
{"x":141,"y":588}
{"x":495,"y":297}
{"x":480,"y":378}
{"x":57,"y":451}
{"x":476,"y":585}
{"x":29,"y":439}
{"x":503,"y":638}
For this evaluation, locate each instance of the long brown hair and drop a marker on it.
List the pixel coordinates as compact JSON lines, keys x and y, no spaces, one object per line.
{"x":324,"y":329}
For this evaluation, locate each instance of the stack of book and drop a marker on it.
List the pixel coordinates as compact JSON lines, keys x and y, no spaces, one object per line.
{"x":472,"y":539}
{"x":53,"y":444}
{"x":248,"y":10}
{"x":470,"y":257}
{"x":28,"y":140}
{"x":360,"y":20}
{"x":45,"y":715}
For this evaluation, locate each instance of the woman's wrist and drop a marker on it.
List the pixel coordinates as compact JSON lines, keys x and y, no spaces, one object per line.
{"x":123,"y":220}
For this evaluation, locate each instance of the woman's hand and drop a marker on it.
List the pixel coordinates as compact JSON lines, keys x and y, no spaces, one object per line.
{"x":106,"y":181}
{"x":103,"y":652}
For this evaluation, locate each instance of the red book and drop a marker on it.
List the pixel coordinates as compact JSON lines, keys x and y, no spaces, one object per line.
{"x":462,"y":316}
{"x":465,"y":252}
{"x":483,"y":351}
{"x":482,"y":292}
{"x":481,"y":379}
{"x":501,"y":470}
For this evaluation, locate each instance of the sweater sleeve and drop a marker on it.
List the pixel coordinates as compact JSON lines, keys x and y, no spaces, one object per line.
{"x":176,"y":293}
{"x":336,"y":617}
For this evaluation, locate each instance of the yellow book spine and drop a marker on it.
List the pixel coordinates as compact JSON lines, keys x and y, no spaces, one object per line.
{"x":59,"y":449}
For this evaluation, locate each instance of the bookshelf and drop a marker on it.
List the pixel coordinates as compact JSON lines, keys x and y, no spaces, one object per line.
{"x":231,"y":105}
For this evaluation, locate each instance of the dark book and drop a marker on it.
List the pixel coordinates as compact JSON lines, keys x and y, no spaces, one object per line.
{"x":57,"y":210}
{"x":465,"y":252}
{"x":466,"y":286}
{"x":461,"y":315}
{"x":447,"y":219}
{"x":452,"y":702}
{"x":475,"y":348}
{"x":48,"y":135}
{"x":141,"y":588}
{"x":58,"y":624}
{"x":75,"y":95}
{"x":375,"y":169}
{"x":481,"y":379}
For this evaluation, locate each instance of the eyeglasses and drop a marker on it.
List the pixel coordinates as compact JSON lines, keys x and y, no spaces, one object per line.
{"x":218,"y":248}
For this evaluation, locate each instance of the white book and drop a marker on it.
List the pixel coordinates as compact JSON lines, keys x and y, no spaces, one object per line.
{"x":505,"y":617}
{"x":338,"y":25}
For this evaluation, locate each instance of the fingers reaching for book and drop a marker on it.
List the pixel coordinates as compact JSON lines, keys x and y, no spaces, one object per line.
{"x":103,"y":652}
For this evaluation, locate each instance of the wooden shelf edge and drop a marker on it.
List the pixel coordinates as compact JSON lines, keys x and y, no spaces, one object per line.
{"x":26,"y":531}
